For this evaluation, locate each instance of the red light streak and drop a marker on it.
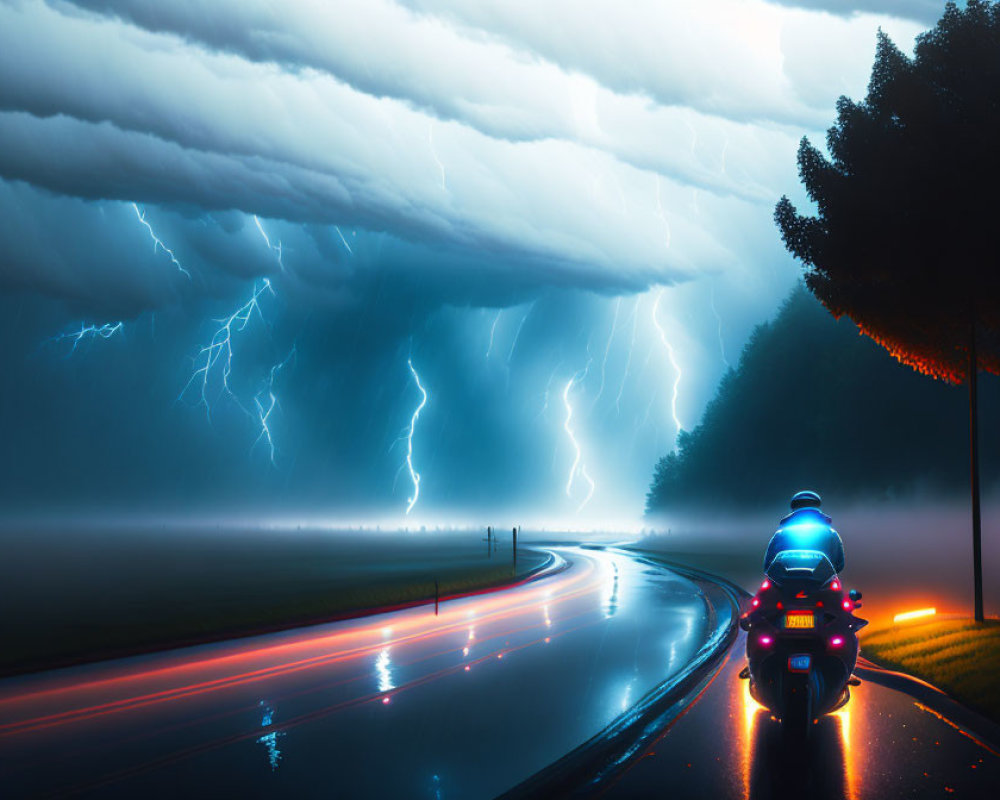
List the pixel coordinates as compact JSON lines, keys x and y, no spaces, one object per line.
{"x":123,"y":688}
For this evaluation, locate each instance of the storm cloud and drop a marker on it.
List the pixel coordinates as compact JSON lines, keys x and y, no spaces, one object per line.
{"x":421,"y":179}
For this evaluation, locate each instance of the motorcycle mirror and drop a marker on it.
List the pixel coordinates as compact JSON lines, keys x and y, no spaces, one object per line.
{"x":854,"y":594}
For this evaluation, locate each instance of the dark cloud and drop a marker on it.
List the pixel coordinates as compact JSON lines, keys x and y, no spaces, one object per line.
{"x":925,"y":11}
{"x":414,"y":182}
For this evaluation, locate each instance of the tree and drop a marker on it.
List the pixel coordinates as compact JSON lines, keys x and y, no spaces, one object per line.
{"x":904,"y":238}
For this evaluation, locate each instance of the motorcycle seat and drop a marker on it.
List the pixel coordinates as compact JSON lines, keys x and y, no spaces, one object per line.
{"x":801,"y":565}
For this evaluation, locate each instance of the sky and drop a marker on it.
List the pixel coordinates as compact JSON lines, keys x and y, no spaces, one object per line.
{"x":416,"y":262}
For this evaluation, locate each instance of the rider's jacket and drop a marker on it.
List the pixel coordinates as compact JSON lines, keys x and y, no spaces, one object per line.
{"x":806,"y":529}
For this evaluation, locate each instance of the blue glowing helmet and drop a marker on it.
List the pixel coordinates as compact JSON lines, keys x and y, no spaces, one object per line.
{"x":806,"y":499}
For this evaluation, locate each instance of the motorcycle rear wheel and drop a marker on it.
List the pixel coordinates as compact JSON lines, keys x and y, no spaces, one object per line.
{"x":796,"y":717}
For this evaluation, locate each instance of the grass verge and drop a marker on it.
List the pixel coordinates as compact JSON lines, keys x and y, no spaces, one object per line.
{"x":90,"y":596}
{"x":956,"y":655}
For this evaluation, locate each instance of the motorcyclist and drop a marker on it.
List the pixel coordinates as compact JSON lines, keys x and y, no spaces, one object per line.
{"x":806,"y":528}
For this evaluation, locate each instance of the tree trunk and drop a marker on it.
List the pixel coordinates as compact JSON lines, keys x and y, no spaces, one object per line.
{"x":977,"y":531}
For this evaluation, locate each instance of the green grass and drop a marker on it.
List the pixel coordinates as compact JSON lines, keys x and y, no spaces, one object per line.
{"x":91,"y":595}
{"x":956,"y":655}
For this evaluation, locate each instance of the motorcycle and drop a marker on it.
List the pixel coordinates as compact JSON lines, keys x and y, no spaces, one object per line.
{"x":802,"y":642}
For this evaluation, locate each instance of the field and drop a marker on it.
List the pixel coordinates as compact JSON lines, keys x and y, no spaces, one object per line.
{"x":91,"y":594}
{"x":956,"y":655}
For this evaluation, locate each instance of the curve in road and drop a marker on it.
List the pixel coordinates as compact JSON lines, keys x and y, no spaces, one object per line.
{"x":466,"y":703}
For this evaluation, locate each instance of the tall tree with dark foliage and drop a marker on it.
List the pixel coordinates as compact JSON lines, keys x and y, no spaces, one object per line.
{"x":905,"y":237}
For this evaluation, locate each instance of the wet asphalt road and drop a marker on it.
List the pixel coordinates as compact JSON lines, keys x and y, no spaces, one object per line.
{"x":883,"y":744}
{"x":465,"y":704}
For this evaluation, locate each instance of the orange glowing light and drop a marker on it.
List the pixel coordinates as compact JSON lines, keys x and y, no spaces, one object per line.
{"x":750,"y":708}
{"x":908,"y":615}
{"x":851,"y":765}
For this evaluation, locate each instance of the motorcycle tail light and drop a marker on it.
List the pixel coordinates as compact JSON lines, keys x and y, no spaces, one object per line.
{"x":755,"y":602}
{"x":765,"y":585}
{"x":835,"y":585}
{"x":847,"y":605}
{"x":837,"y":641}
{"x":765,"y":640}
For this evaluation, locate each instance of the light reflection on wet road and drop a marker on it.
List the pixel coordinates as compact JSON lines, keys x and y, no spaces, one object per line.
{"x":461,"y":705}
{"x":881,"y":745}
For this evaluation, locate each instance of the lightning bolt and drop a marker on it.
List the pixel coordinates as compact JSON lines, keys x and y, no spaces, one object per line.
{"x":157,"y":242}
{"x":341,"y":235}
{"x":264,"y":414}
{"x":517,"y":335}
{"x":718,"y":319}
{"x":414,"y":475}
{"x":434,"y":155}
{"x":628,"y":360}
{"x":607,"y":349}
{"x":548,"y":390}
{"x":578,"y":468}
{"x":276,"y":248}
{"x":218,"y":353}
{"x":105,"y":331}
{"x":493,"y":332}
{"x":673,"y":361}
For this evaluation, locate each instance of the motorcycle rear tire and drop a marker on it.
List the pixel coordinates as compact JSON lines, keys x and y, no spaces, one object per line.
{"x":796,"y":719}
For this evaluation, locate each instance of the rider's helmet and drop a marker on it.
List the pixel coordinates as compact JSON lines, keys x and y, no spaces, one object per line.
{"x":806,"y":499}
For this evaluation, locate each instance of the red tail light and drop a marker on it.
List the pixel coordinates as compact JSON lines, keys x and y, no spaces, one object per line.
{"x":765,"y":585}
{"x":765,"y":640}
{"x":848,"y":605}
{"x":837,"y":641}
{"x":835,"y":585}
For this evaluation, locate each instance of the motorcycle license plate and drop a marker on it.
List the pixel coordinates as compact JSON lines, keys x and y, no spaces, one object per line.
{"x":799,"y":663}
{"x":799,"y":620}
